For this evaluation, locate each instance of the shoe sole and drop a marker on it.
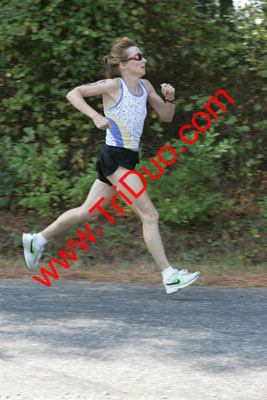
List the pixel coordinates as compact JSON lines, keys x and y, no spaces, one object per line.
{"x":185,"y":285}
{"x":26,"y":249}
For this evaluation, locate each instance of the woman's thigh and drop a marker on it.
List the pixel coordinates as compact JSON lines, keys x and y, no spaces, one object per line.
{"x":143,"y":206}
{"x":98,"y":190}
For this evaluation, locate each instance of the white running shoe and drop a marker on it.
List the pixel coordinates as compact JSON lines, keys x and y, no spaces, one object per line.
{"x":32,"y":254}
{"x":180,"y":280}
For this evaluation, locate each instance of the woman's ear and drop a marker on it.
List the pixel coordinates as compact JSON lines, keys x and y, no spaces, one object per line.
{"x":122,"y":66}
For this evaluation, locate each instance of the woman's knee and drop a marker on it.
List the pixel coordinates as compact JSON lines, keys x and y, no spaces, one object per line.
{"x":151,"y":216}
{"x":83,"y":215}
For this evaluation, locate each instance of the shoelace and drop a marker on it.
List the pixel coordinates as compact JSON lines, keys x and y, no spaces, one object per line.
{"x":181,"y":271}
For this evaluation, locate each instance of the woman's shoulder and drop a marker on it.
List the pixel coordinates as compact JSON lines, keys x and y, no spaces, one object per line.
{"x":116,"y":81}
{"x":147,"y":84}
{"x":111,"y":83}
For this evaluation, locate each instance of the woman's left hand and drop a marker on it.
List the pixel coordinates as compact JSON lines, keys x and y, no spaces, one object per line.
{"x":167,"y":91}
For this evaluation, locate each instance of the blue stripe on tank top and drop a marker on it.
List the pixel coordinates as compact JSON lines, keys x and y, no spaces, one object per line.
{"x":143,"y":86}
{"x":116,"y":133}
{"x":136,"y":95}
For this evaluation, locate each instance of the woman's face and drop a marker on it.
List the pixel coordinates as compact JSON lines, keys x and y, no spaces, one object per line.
{"x":134,"y":67}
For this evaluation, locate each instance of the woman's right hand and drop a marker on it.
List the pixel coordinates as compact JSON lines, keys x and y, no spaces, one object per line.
{"x":101,"y":122}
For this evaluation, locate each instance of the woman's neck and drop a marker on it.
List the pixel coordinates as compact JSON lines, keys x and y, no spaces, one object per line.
{"x":132,"y":83}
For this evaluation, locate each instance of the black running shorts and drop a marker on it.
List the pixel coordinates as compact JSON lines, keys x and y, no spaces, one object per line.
{"x":110,"y":157}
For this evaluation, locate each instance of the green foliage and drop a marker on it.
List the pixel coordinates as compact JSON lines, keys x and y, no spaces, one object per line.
{"x":191,"y":187}
{"x":48,"y":148}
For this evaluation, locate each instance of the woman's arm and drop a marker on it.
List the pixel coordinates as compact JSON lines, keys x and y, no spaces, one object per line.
{"x":76,"y":96}
{"x":164,"y":110}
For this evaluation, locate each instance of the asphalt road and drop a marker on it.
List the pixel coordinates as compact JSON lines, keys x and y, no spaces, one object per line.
{"x":77,"y":340}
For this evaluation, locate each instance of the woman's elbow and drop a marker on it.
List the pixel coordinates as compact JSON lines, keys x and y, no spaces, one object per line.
{"x":71,"y":92}
{"x":167,"y":119}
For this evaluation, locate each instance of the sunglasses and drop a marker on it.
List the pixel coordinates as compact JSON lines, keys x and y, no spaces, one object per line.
{"x":136,"y":57}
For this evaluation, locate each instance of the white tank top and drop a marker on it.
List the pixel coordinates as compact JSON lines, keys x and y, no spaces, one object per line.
{"x":127,"y":118}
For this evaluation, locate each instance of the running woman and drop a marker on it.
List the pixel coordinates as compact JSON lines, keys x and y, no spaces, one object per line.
{"x":125,"y":96}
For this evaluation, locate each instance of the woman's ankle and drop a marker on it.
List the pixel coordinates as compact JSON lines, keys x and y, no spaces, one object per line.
{"x":40,"y":240}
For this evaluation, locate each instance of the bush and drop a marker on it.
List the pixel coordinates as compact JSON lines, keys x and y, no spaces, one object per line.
{"x":48,"y":148}
{"x":190,"y":189}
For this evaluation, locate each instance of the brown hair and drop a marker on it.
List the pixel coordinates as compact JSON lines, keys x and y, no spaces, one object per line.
{"x":117,"y":54}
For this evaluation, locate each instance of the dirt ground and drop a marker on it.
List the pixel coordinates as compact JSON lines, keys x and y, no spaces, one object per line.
{"x":103,"y":263}
{"x":145,"y":273}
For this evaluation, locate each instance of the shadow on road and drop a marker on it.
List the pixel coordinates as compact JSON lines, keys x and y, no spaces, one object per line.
{"x":208,"y":326}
